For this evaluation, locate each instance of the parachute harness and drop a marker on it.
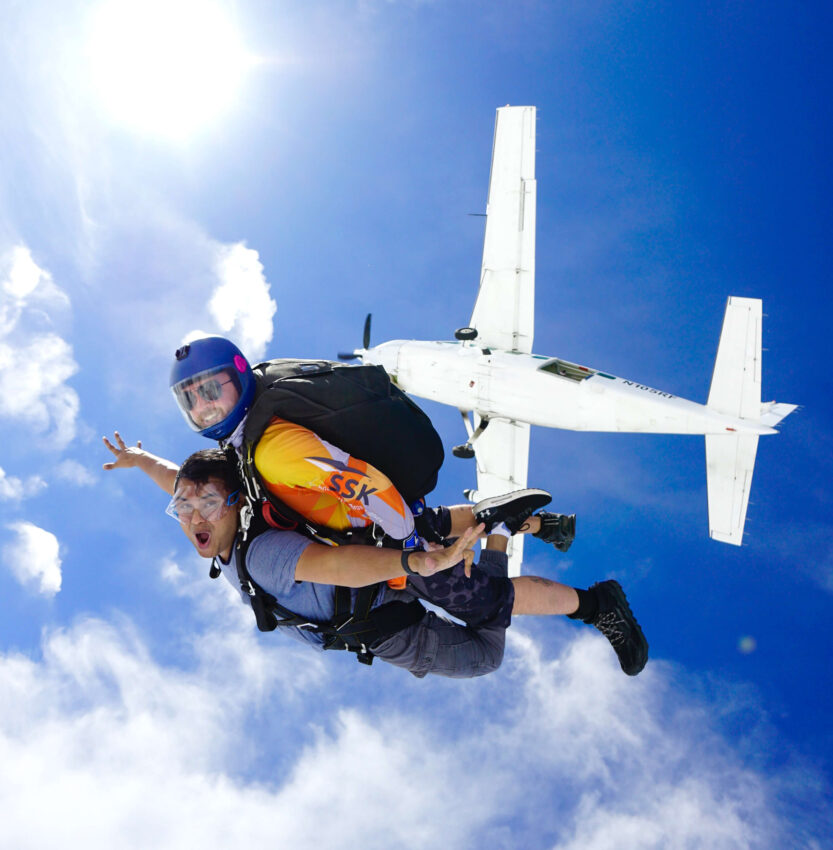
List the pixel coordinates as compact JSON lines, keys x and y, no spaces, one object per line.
{"x":354,"y":626}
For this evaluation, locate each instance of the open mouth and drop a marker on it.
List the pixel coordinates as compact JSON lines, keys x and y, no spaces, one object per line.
{"x":202,"y":538}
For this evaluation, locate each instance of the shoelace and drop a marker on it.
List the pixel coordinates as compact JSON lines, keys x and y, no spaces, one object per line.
{"x":611,"y":626}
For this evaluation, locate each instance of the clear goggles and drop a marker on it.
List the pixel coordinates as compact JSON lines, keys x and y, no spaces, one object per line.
{"x":209,"y":504}
{"x":206,"y":388}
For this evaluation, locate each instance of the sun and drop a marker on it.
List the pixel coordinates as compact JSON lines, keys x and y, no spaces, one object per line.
{"x":165,"y":67}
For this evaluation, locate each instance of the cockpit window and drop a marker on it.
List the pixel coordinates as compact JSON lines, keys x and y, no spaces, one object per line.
{"x":567,"y":370}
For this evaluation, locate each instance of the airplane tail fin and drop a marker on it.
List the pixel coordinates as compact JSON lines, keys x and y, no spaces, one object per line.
{"x":736,"y":391}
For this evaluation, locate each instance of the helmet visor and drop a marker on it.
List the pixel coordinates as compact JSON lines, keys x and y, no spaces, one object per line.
{"x":208,"y":397}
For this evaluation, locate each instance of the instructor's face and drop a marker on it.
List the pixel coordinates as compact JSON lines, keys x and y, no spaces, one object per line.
{"x":210,"y":537}
{"x":212,"y":399}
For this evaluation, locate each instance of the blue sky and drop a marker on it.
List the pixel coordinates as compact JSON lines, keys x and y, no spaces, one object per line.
{"x":682,"y":158}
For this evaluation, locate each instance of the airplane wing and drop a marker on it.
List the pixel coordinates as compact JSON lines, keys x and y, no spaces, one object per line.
{"x":502,"y":454}
{"x":504,"y":310}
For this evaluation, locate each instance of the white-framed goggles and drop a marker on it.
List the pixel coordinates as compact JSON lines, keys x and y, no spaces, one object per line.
{"x":208,"y":503}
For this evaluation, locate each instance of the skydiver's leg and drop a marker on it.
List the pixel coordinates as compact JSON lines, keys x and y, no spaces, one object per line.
{"x":439,"y":646}
{"x":443,"y":648}
{"x":462,"y":518}
{"x":514,"y":509}
{"x":517,"y":511}
{"x":536,"y":595}
{"x":496,"y":543}
{"x":486,"y":600}
{"x":603,"y":606}
{"x":438,"y":524}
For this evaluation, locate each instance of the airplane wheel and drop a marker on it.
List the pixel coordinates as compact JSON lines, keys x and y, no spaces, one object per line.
{"x":464,"y":451}
{"x":465,"y":333}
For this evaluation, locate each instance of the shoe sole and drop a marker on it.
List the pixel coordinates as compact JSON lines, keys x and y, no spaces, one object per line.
{"x":530,"y":499}
{"x":616,"y":590}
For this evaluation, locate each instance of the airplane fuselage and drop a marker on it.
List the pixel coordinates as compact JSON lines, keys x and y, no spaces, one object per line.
{"x":543,"y":391}
{"x":490,"y":375}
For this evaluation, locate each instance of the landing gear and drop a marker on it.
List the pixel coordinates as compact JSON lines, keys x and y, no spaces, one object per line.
{"x":466,"y":450}
{"x":465,"y":333}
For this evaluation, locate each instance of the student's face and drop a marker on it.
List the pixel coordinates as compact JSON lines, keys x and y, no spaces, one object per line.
{"x":206,"y":518}
{"x":211,"y":399}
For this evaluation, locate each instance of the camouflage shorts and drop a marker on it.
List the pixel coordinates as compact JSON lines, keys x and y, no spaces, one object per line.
{"x":483,"y":600}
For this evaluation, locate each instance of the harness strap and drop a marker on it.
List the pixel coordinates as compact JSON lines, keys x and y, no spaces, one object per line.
{"x":354,"y":630}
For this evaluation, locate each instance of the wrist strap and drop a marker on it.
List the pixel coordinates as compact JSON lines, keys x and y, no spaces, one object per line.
{"x":404,"y":561}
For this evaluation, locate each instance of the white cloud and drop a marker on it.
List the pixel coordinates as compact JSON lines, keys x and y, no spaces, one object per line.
{"x":34,"y":557}
{"x":13,"y":488}
{"x":257,"y":739}
{"x":241,"y":305}
{"x":73,"y":472}
{"x":184,"y":280}
{"x":23,"y":275}
{"x":35,"y":362}
{"x":24,"y":285}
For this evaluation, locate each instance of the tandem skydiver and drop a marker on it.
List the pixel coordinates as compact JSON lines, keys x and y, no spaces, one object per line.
{"x":292,"y":582}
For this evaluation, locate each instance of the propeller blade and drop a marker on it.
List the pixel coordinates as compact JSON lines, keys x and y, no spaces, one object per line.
{"x":344,"y":355}
{"x":366,"y":337}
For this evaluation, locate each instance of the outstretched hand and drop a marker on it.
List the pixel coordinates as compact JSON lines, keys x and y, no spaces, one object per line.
{"x":439,"y":558}
{"x":126,"y":456}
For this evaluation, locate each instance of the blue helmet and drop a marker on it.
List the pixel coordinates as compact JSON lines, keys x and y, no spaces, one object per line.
{"x":213,"y":385}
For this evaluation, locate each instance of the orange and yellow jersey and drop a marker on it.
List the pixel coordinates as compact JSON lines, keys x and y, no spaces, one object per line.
{"x":326,"y":485}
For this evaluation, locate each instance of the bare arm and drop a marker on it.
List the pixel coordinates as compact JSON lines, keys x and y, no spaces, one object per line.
{"x":358,"y":566}
{"x":160,"y":471}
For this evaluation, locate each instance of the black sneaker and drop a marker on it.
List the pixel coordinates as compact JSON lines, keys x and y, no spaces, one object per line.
{"x":616,"y":622}
{"x":513,"y":509}
{"x":558,"y":529}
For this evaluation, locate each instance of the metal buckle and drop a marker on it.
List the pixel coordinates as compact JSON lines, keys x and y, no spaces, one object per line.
{"x":378,"y":540}
{"x":246,"y":515}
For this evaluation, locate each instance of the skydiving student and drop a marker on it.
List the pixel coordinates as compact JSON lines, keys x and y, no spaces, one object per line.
{"x":215,"y":388}
{"x":294,"y":583}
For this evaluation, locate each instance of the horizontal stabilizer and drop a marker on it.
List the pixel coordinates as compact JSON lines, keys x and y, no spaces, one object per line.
{"x":773,"y":412}
{"x":730,"y":459}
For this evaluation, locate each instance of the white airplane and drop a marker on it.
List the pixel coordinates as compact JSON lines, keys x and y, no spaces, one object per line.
{"x":491,"y":375}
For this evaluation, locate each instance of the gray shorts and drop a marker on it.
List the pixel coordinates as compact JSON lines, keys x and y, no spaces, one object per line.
{"x":438,"y":645}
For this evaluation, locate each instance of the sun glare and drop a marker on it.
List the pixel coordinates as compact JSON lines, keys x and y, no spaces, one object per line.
{"x":165,"y":67}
